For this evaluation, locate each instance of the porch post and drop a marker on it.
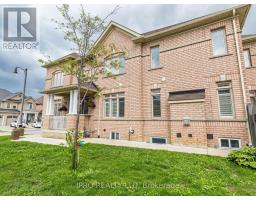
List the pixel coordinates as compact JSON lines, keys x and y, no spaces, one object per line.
{"x":73,"y":102}
{"x":50,"y":105}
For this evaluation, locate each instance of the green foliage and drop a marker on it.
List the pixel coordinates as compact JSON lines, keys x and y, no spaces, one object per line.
{"x":41,"y":170}
{"x":246,"y":156}
{"x":70,"y":137}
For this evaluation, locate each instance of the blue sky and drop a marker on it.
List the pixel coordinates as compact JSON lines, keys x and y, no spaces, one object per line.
{"x":140,"y":18}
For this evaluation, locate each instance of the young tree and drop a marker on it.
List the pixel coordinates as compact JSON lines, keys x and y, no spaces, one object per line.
{"x":81,"y":32}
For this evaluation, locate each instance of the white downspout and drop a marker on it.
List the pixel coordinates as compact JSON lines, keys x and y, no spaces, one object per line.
{"x":241,"y":72}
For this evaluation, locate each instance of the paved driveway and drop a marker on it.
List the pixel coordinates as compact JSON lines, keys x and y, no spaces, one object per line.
{"x":29,"y":131}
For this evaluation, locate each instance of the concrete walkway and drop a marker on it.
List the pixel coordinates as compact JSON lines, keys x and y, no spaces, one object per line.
{"x":168,"y":147}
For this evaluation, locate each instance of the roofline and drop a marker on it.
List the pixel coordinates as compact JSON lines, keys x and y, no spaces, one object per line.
{"x":249,"y":38}
{"x":117,"y":25}
{"x":62,"y":59}
{"x":197,"y":22}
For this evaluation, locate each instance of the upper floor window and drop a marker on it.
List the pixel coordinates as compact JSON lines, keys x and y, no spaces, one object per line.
{"x":57,"y":79}
{"x":29,"y":106}
{"x":219,"y":43}
{"x":156,"y":102}
{"x":155,"y":57}
{"x":114,"y":105}
{"x":115,"y":65}
{"x":225,"y":100}
{"x":8,"y":105}
{"x":247,"y":58}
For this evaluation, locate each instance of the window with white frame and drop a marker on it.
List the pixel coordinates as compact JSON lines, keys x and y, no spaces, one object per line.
{"x":225,"y":100}
{"x":156,"y":102}
{"x":229,"y":143}
{"x":155,"y":57}
{"x":57,"y":79}
{"x":8,"y":105}
{"x":247,"y":58}
{"x":115,"y":65}
{"x":219,"y":44}
{"x":114,"y":105}
{"x":115,"y":135}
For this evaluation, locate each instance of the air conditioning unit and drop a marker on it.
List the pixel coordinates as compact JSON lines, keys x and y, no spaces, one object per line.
{"x":186,"y":121}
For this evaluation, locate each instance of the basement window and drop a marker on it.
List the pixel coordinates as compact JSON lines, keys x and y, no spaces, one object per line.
{"x":115,"y":135}
{"x":229,"y":143}
{"x":159,"y":140}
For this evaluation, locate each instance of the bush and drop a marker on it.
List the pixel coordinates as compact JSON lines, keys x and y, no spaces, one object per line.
{"x":70,"y":137}
{"x":246,"y":156}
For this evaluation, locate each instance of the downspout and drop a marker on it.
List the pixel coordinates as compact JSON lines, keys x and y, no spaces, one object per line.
{"x":98,"y":131}
{"x":241,"y":72}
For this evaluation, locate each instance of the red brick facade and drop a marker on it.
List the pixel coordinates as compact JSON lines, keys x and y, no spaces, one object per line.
{"x":186,"y":63}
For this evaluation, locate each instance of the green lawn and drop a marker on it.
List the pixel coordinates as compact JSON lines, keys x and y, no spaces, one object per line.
{"x":2,"y":131}
{"x":37,"y":169}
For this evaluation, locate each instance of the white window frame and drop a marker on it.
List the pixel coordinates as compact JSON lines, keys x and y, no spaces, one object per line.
{"x":151,"y":57}
{"x":57,"y":78}
{"x":110,"y":97}
{"x":229,"y":143}
{"x":232,"y":102}
{"x":249,"y":57}
{"x":158,"y":137}
{"x":115,"y":132}
{"x":225,"y":41}
{"x":152,"y":103}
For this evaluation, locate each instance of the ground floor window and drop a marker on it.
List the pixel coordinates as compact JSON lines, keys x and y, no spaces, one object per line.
{"x":115,"y":135}
{"x":159,"y":140}
{"x":114,"y":105}
{"x":229,"y":143}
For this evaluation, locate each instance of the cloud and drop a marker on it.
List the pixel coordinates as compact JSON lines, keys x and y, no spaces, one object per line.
{"x":141,"y":18}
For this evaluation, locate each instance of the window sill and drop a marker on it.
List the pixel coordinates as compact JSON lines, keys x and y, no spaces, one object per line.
{"x":151,"y":69}
{"x":114,"y":75}
{"x":250,"y":67}
{"x":219,"y":56}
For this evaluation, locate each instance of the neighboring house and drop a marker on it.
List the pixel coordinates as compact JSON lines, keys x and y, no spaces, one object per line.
{"x":10,"y":106}
{"x":39,"y":108}
{"x":187,"y":84}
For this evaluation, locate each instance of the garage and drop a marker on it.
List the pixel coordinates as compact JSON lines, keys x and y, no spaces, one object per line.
{"x":10,"y":119}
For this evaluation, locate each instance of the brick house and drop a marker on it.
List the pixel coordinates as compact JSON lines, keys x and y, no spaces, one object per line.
{"x":10,"y":106}
{"x":187,"y":84}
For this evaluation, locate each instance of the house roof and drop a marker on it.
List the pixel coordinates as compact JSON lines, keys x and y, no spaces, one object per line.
{"x":249,"y":38}
{"x":72,"y":55}
{"x":39,"y":101}
{"x":241,"y":11}
{"x":4,"y":93}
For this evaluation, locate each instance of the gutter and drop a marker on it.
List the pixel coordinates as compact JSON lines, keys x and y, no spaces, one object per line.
{"x":241,"y":71}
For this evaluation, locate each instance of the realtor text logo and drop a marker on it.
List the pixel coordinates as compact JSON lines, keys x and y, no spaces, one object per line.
{"x":19,"y":28}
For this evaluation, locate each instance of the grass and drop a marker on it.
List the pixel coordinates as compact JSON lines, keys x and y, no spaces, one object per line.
{"x":37,"y":169}
{"x":2,"y":131}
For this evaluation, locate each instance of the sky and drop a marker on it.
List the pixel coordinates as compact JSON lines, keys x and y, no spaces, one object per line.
{"x":141,"y":18}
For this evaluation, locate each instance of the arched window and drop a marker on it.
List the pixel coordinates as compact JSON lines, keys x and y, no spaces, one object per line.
{"x":57,"y":79}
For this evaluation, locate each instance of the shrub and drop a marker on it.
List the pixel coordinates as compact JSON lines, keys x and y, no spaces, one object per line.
{"x":246,"y":156}
{"x":70,"y":137}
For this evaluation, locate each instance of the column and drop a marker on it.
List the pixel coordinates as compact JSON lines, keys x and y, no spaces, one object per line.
{"x":73,"y":102}
{"x":50,"y":105}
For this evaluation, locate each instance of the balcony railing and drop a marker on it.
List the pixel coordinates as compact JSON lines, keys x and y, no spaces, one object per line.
{"x":57,"y":122}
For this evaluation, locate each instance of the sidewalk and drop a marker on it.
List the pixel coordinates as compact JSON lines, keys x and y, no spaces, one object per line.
{"x":168,"y":147}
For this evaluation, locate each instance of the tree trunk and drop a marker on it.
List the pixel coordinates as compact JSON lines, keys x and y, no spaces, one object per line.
{"x":75,"y":148}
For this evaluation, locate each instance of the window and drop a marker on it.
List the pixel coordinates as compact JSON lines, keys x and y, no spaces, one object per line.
{"x":84,"y":107}
{"x":156,"y":102}
{"x":115,"y":65}
{"x":114,"y":105}
{"x":225,"y":101}
{"x":8,"y":105}
{"x":155,"y":61}
{"x":115,"y":136}
{"x":159,"y":140}
{"x":219,"y":44}
{"x":57,"y":79}
{"x":29,"y":106}
{"x":229,"y":143}
{"x":14,"y":106}
{"x":247,"y":58}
